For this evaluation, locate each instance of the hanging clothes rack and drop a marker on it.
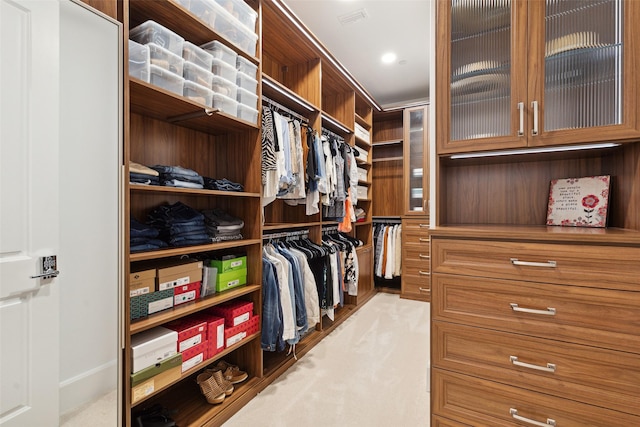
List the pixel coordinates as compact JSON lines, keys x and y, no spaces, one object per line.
{"x":330,"y":229}
{"x":386,"y":220}
{"x":286,"y":234}
{"x":327,"y":132}
{"x":282,"y":109}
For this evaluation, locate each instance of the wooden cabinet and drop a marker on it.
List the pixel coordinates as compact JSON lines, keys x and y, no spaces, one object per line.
{"x":532,"y":73}
{"x":537,"y":328}
{"x":416,"y":260}
{"x":416,"y":161}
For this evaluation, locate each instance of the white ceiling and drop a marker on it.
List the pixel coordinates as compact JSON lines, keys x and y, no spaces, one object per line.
{"x":399,"y":26}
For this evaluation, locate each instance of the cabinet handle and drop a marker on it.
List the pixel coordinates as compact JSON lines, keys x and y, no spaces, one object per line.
{"x":521,"y":109}
{"x":423,"y":225}
{"x":421,"y":289}
{"x":514,"y":414}
{"x":534,"y":105}
{"x":551,"y":367}
{"x":548,"y":312}
{"x":423,"y":240}
{"x":424,"y":256}
{"x":424,"y":273}
{"x":548,"y":264}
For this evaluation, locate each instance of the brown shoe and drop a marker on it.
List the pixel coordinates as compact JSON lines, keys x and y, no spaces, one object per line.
{"x":210,"y":388}
{"x":223,"y":382}
{"x":232,"y":373}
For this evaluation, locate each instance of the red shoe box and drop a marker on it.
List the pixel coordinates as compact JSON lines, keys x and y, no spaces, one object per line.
{"x":194,"y":356}
{"x":236,"y":334}
{"x":234,"y":312}
{"x":186,"y":293}
{"x":215,"y":332}
{"x":191,"y":332}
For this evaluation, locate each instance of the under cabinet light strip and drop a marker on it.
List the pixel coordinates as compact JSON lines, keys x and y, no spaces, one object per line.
{"x":335,"y":123}
{"x":532,"y":150}
{"x":287,"y":94}
{"x":291,"y":16}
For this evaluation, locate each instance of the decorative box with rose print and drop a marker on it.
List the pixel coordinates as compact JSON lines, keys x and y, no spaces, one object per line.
{"x":579,"y":202}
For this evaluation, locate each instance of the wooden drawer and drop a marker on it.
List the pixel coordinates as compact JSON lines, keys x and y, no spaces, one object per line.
{"x":587,"y":374}
{"x":413,"y":252}
{"x":416,"y":225}
{"x":479,"y":402}
{"x":415,"y":287}
{"x":583,"y":265}
{"x":599,"y":317}
{"x":443,"y":422}
{"x":415,"y":238}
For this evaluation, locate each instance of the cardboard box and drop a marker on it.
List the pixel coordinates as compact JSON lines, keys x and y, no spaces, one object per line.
{"x":231,"y":279}
{"x":186,"y":293}
{"x":215,"y":332}
{"x":174,"y":274}
{"x":191,"y":332}
{"x":152,"y":346}
{"x":155,"y":383}
{"x":194,"y":356}
{"x":152,"y":371}
{"x":142,"y":282}
{"x":224,"y":265}
{"x":234,"y":312}
{"x":146,"y":304}
{"x":236,"y":334}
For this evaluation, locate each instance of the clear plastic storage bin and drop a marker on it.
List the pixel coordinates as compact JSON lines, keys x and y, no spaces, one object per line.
{"x":220,"y":51}
{"x":197,"y":74}
{"x":224,"y":87}
{"x":247,"y":98}
{"x":247,"y":113}
{"x":138,"y":61}
{"x":224,"y":70}
{"x":242,"y":37}
{"x":164,"y":58}
{"x":243,"y":65}
{"x":247,"y":83}
{"x":166,"y":79}
{"x":152,"y":32}
{"x":225,"y":104}
{"x":208,"y":11}
{"x":197,"y":93}
{"x":196,"y":55}
{"x":241,"y":11}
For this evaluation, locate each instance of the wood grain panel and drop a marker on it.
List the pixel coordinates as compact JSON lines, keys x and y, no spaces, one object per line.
{"x":386,"y":188}
{"x":108,"y":7}
{"x":624,"y":167}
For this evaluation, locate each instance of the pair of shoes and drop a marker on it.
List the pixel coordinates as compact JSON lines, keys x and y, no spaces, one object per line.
{"x":231,"y":373}
{"x":210,"y":388}
{"x":154,"y":416}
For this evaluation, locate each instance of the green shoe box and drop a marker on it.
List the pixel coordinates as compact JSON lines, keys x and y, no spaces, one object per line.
{"x":154,"y":370}
{"x":231,"y":279}
{"x":231,"y":264}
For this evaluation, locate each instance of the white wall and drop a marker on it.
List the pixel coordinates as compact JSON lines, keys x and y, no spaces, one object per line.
{"x":90,"y":152}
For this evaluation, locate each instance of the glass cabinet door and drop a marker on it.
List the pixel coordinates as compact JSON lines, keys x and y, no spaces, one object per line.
{"x":481,"y":70}
{"x":416,"y":156}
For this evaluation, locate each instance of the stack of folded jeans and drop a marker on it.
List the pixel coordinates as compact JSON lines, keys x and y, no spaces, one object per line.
{"x":177,"y":176}
{"x":140,"y":174}
{"x":222,"y":184}
{"x":180,"y":225}
{"x":222,"y":226}
{"x":144,"y":237}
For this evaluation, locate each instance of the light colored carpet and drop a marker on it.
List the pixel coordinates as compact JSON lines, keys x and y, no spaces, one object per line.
{"x":370,"y":371}
{"x":101,"y":413}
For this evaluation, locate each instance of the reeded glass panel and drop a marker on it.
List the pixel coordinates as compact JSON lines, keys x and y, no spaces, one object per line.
{"x":481,"y":68}
{"x":416,"y":155}
{"x":583,"y":64}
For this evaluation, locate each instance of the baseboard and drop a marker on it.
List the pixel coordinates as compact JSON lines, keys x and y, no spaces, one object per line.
{"x":87,"y":387}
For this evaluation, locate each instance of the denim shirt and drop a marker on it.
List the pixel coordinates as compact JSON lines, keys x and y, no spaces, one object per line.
{"x":272,"y":326}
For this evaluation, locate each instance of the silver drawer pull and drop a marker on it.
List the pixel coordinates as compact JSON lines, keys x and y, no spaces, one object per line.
{"x":548,"y":264}
{"x":423,"y":225}
{"x":551,"y":367}
{"x":424,"y":273}
{"x":423,"y":289}
{"x":514,"y":414}
{"x":424,"y":256}
{"x":548,"y":312}
{"x":423,"y":240}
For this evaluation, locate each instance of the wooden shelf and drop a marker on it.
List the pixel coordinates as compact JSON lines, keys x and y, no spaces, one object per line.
{"x":362,"y":143}
{"x":362,"y":162}
{"x":368,"y":183}
{"x":282,"y":226}
{"x":363,"y":122}
{"x":332,"y":127}
{"x":174,"y":190}
{"x":389,"y":142}
{"x":362,"y":223}
{"x":182,"y":310}
{"x":186,"y":250}
{"x":153,"y":101}
{"x":278,"y":95}
{"x":179,"y":20}
{"x":200,"y":366}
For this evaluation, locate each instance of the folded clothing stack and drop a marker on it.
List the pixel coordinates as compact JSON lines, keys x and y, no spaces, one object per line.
{"x":177,"y":176}
{"x":222,"y":184}
{"x":180,"y":225}
{"x":144,"y":237}
{"x":361,"y":215}
{"x":140,"y":174}
{"x":222,"y":226}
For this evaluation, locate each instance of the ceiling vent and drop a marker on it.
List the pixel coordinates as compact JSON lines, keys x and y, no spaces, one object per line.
{"x":353,"y":17}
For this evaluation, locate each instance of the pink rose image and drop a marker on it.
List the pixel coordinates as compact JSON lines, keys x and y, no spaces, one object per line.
{"x":590,"y":201}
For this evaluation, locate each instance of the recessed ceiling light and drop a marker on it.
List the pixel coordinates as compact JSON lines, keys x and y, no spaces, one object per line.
{"x":389,"y":57}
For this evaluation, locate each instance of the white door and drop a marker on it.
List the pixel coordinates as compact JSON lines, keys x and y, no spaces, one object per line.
{"x":29,"y":331}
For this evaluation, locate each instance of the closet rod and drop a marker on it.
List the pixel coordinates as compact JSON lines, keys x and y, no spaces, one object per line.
{"x":283,"y":108}
{"x":285,"y":234}
{"x":387,"y":220}
{"x":329,"y":229}
{"x":327,"y":132}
